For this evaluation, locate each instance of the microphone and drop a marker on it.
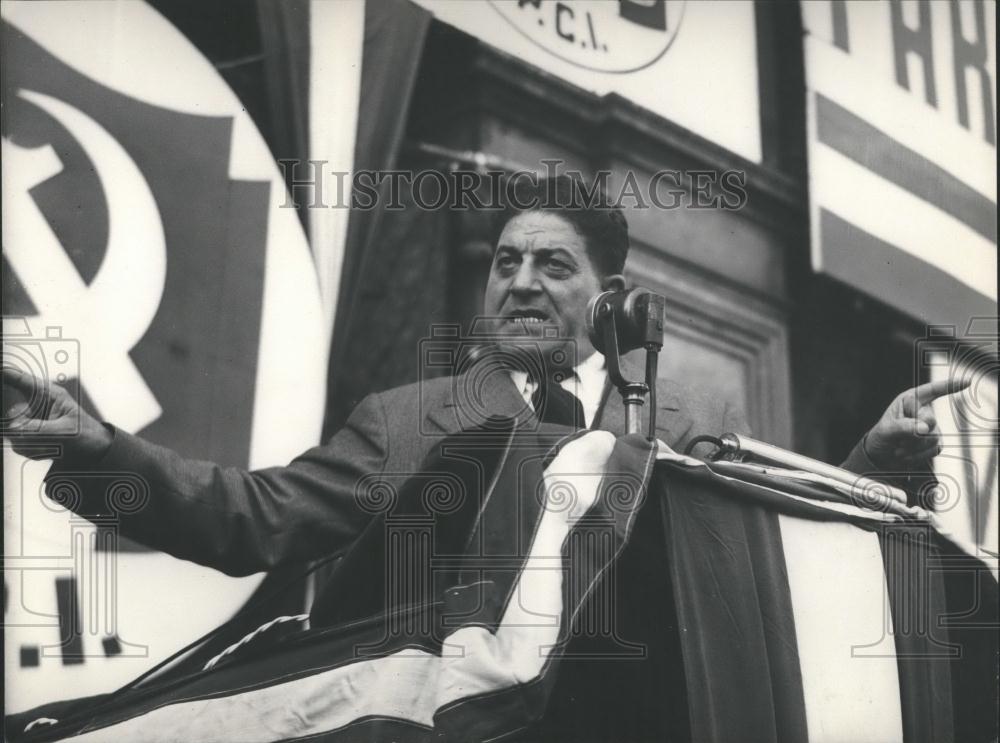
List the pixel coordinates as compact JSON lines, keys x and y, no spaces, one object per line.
{"x":619,"y":322}
{"x":638,"y":319}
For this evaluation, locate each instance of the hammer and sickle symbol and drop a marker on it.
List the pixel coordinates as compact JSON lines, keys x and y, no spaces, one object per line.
{"x":111,"y":314}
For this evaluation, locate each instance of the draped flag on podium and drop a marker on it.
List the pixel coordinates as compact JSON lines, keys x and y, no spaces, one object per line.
{"x":790,"y":620}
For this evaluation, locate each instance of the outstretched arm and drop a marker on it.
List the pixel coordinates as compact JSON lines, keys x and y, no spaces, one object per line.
{"x":236,"y":521}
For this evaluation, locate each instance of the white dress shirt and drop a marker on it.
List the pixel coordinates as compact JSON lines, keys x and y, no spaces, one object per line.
{"x":587,"y":383}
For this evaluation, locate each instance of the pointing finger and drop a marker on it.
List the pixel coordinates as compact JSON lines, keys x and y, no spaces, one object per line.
{"x":927,"y":393}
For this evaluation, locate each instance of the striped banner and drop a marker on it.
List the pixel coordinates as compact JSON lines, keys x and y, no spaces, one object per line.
{"x":902,"y":152}
{"x":823,"y":627}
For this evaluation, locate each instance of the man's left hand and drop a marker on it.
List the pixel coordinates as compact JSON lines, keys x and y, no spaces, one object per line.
{"x":907,"y":434}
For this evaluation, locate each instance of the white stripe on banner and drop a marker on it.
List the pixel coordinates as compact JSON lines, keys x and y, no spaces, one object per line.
{"x":843,"y":625}
{"x":478,"y":661}
{"x":336,"y":48}
{"x":903,"y":116}
{"x":401,"y":685}
{"x":891,"y":213}
{"x":411,"y":684}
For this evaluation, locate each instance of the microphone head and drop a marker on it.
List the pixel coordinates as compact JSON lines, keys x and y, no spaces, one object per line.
{"x":594,"y":307}
{"x":638,"y":317}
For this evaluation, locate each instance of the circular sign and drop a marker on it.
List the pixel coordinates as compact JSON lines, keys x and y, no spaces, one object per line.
{"x":598,"y":35}
{"x":160,"y":279}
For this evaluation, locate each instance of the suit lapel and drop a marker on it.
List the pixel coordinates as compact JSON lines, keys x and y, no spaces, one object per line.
{"x":474,"y":397}
{"x":672,"y":423}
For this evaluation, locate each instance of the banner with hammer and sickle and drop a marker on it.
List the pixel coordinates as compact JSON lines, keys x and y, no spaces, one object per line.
{"x":147,"y":265}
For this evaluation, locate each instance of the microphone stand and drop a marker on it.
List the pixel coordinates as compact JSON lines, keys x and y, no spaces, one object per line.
{"x":633,"y":393}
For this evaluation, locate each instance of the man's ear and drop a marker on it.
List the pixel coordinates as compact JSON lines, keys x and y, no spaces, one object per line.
{"x":613,"y":283}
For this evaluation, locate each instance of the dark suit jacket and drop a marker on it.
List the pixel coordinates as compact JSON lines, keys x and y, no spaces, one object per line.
{"x":244,"y":522}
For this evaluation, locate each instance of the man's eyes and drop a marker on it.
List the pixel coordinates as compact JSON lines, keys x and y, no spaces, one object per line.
{"x":558,"y":268}
{"x":551,"y":264}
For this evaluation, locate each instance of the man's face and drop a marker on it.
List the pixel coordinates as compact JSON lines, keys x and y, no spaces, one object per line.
{"x":542,"y":277}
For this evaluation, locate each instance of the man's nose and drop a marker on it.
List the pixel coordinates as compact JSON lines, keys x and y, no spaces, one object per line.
{"x":526,"y":280}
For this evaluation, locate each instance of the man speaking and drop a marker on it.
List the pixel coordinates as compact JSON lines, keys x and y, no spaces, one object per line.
{"x":554,"y":252}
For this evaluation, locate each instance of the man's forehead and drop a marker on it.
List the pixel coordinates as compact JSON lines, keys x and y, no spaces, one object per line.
{"x":541,"y":244}
{"x":537,"y":231}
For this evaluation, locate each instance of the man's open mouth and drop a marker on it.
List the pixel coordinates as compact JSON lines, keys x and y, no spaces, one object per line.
{"x":525,"y":317}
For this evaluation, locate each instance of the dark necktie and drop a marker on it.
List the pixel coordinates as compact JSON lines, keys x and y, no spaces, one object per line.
{"x":553,"y":404}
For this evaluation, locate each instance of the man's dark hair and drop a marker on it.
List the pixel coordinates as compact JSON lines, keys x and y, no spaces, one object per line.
{"x":601,"y":225}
